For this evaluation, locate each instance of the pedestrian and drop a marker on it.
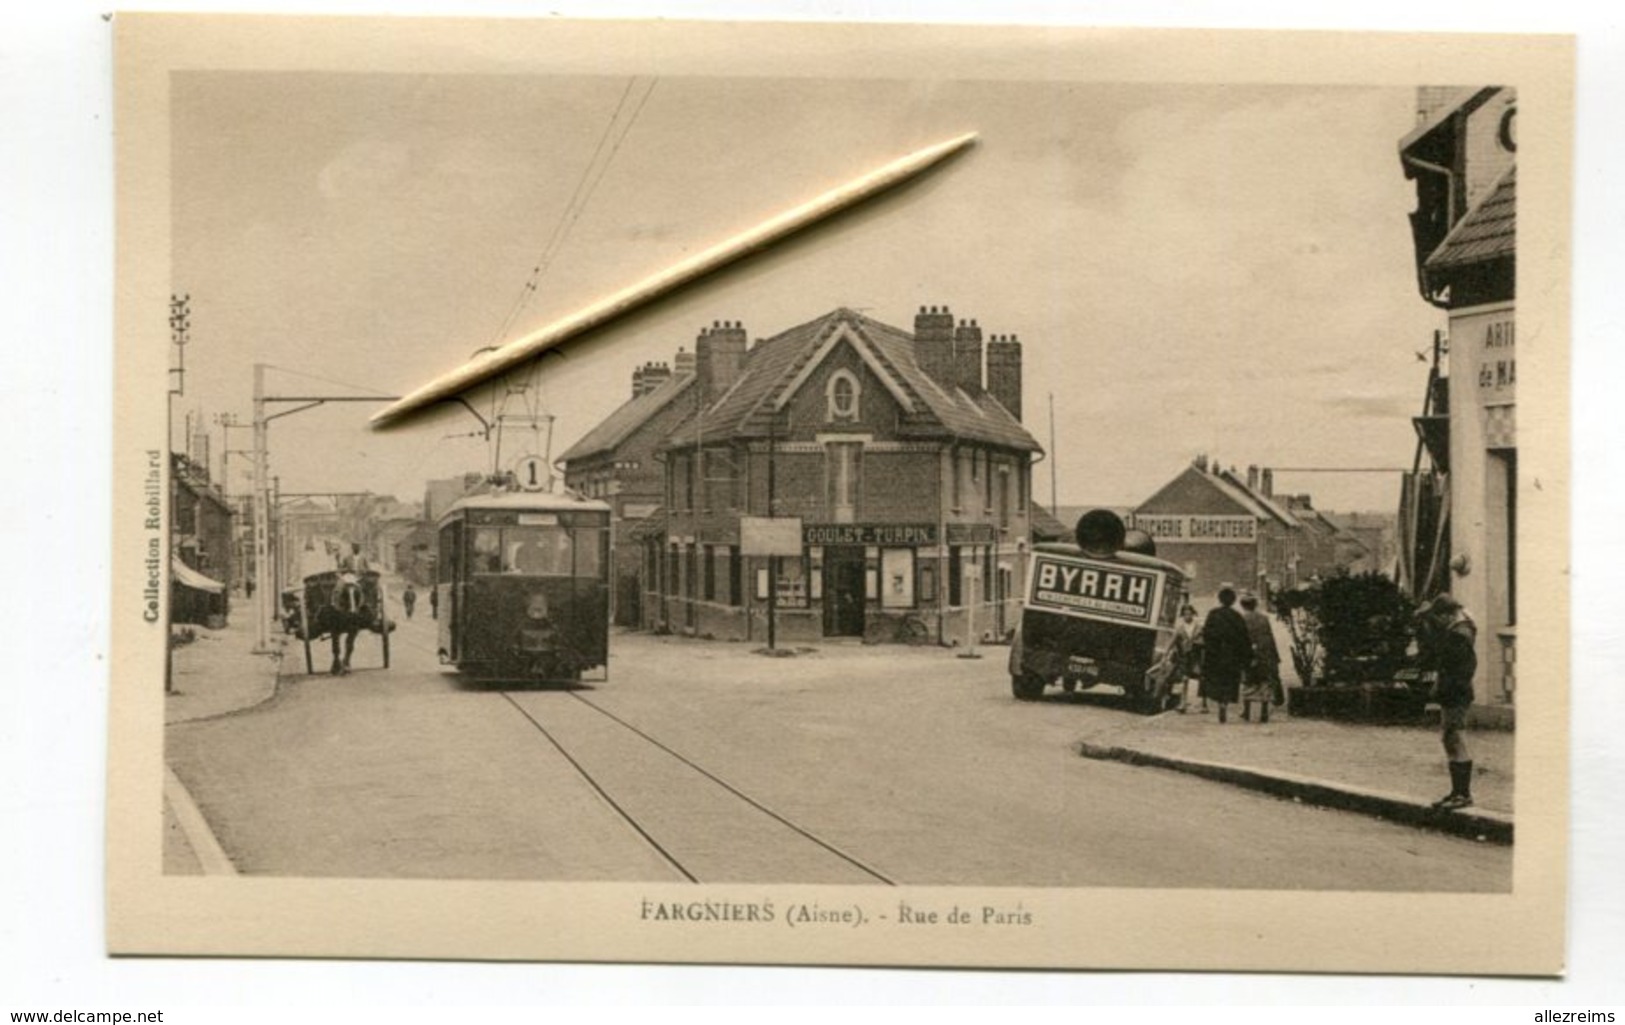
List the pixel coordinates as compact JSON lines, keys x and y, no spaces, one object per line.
{"x":248,"y":588}
{"x":1448,"y":641}
{"x":434,"y":602}
{"x":1185,"y":654}
{"x":409,"y":599}
{"x":1227,"y":650}
{"x":1264,"y":673}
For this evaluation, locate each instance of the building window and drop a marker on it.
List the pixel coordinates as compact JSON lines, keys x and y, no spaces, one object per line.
{"x":843,"y":462}
{"x":897,"y":578}
{"x":956,"y":576}
{"x":987,"y":488}
{"x":928,"y":583}
{"x":736,"y":572}
{"x":1004,"y":496}
{"x":710,"y":572}
{"x":793,"y":582}
{"x":842,"y":394}
{"x":954,"y":488}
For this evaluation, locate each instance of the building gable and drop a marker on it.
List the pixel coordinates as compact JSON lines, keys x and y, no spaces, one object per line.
{"x":844,"y":335}
{"x":1194,"y":492}
{"x":876,"y":408}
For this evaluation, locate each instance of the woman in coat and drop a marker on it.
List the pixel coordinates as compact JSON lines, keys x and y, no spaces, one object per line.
{"x":1227,"y":651}
{"x":1264,"y":674}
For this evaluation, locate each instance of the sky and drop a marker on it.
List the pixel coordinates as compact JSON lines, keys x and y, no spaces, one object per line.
{"x":1190,"y":269}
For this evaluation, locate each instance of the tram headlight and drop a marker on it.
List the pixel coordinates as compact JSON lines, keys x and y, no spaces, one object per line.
{"x":536,"y":608}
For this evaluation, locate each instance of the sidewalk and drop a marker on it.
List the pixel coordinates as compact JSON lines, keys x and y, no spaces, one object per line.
{"x":1395,"y":772}
{"x":219,"y":672}
{"x":214,"y":675}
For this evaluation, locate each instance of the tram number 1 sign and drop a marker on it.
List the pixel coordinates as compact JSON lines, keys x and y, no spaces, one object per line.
{"x":531,"y":473}
{"x":1092,"y":589}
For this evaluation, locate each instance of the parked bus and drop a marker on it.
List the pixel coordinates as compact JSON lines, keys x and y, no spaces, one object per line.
{"x":1101,"y":611}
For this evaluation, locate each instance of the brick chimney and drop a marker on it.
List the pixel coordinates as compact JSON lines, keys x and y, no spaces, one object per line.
{"x":719,"y":356}
{"x":682,"y":363}
{"x":1252,"y":478}
{"x":1266,"y":482}
{"x":968,"y":357}
{"x":648,"y":377}
{"x":934,"y":344}
{"x":1004,"y":372}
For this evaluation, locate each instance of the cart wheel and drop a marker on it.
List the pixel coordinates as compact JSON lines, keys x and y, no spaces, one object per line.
{"x":304,"y":634}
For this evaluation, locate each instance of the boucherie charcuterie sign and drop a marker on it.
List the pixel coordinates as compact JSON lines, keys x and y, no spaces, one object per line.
{"x":1197,"y":530}
{"x":1095,"y":589}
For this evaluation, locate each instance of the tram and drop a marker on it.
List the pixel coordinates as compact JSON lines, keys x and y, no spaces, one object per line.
{"x":1101,"y":611}
{"x":522,"y":586}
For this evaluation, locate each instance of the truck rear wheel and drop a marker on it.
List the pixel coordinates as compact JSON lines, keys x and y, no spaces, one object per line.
{"x":1027,"y":686}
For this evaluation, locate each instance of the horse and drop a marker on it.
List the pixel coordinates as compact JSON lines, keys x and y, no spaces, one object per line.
{"x":345,"y":615}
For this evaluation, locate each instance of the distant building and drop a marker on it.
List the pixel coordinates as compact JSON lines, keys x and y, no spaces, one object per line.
{"x":202,"y":532}
{"x":1226,"y":528}
{"x":438,"y":495}
{"x":903,"y":456}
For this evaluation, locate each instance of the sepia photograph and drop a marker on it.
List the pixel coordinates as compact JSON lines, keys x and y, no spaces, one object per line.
{"x":1097,"y":535}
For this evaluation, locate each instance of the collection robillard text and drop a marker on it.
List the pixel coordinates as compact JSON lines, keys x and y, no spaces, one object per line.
{"x":811,"y":913}
{"x":152,"y":488}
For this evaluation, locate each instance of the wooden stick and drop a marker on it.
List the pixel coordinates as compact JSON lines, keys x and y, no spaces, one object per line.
{"x":630,"y":298}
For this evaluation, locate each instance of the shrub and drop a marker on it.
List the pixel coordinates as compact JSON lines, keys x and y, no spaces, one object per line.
{"x":1347,"y":628}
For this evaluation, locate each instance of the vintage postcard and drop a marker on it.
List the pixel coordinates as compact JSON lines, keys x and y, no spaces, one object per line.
{"x":1128,"y":544}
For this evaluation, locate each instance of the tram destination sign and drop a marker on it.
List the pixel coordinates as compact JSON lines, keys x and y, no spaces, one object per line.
{"x":1095,"y":589}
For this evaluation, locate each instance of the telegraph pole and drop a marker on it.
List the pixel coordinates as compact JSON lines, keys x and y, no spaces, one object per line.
{"x":262,"y":513}
{"x":1054,"y":503}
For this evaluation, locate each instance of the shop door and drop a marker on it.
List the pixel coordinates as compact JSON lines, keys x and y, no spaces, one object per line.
{"x":843,"y":591}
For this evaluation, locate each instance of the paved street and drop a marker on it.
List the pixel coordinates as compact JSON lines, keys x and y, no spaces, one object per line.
{"x":703,"y":760}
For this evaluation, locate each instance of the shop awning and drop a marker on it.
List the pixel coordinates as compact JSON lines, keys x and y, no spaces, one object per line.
{"x":188,"y":577}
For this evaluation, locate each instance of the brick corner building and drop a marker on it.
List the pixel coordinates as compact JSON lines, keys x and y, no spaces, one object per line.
{"x":902,"y":455}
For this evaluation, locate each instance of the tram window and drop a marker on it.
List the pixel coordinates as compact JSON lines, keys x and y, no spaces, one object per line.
{"x":450,"y":552}
{"x":589,"y":552}
{"x":538,"y":553}
{"x":485,"y":550}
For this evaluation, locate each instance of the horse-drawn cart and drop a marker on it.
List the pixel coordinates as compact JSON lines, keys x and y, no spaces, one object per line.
{"x":338,"y":606}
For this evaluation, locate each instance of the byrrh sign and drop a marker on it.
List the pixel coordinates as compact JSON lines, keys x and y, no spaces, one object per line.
{"x":1198,"y":529}
{"x":1095,"y":589}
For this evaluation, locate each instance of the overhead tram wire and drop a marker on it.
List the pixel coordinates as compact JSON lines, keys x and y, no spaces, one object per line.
{"x":531,"y":279}
{"x":553,"y":240}
{"x":591,"y":190}
{"x":324,"y":380}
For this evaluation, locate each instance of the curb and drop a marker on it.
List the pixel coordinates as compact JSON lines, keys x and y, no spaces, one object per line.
{"x":211,"y":857}
{"x":1475,"y":825}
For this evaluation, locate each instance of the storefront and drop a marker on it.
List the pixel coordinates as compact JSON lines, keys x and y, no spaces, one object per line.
{"x":1463,"y":160}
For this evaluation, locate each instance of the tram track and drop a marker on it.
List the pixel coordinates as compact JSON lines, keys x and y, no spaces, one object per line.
{"x":706,"y":828}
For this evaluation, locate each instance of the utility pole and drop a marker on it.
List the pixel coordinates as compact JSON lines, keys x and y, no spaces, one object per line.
{"x":179,"y":325}
{"x":262,"y":514}
{"x":772,"y":560}
{"x":1054,"y":459}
